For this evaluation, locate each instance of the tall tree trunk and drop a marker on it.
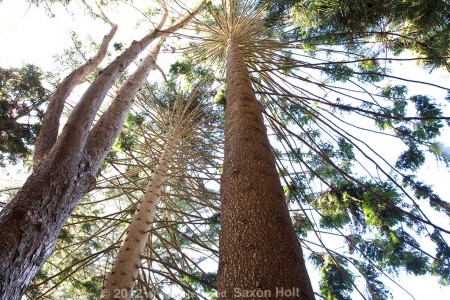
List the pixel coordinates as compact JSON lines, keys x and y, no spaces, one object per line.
{"x":259,"y":251}
{"x":181,"y":121}
{"x":121,"y":280}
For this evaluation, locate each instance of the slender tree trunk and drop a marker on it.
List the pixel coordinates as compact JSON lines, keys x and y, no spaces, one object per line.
{"x":259,"y":251}
{"x":180,"y":125}
{"x":121,"y":280}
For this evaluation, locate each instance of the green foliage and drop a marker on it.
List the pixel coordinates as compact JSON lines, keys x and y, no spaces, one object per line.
{"x":423,"y":191}
{"x":118,"y":46}
{"x":447,"y":97}
{"x":339,"y":72}
{"x":427,"y":129}
{"x":371,"y":71}
{"x":379,"y":205}
{"x":112,"y":155}
{"x":220,"y":98}
{"x":336,"y":279}
{"x":411,"y":159}
{"x":126,"y":141}
{"x":397,"y":96}
{"x":441,"y":264}
{"x":396,"y":92}
{"x":135,"y":120}
{"x":416,"y":133}
{"x":193,"y":73}
{"x":345,"y":153}
{"x":375,"y":287}
{"x":302,"y":225}
{"x":420,"y":26}
{"x":348,"y":202}
{"x":22,"y":100}
{"x":181,"y":68}
{"x":394,"y":250}
{"x":340,"y":204}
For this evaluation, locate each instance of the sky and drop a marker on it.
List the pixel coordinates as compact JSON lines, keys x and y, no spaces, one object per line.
{"x":29,"y":35}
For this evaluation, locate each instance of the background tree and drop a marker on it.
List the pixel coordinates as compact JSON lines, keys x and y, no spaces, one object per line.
{"x":182,"y":119}
{"x":22,"y":102}
{"x":419,"y":26}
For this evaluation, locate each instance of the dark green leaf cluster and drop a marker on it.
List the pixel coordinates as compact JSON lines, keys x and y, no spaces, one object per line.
{"x":126,"y":140}
{"x":338,"y":72}
{"x":346,"y":201}
{"x":302,"y":225}
{"x":416,"y":134}
{"x":428,"y":128}
{"x":441,"y":264}
{"x":375,"y":287}
{"x":336,"y":279}
{"x":370,"y":71}
{"x":194,"y":74}
{"x":423,"y":191}
{"x":394,"y":250}
{"x":420,"y":26}
{"x":22,"y":100}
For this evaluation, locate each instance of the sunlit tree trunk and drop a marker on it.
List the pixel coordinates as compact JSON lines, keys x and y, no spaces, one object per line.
{"x":259,"y":251}
{"x":121,"y":280}
{"x":180,"y":121}
{"x":50,"y":125}
{"x":31,"y":222}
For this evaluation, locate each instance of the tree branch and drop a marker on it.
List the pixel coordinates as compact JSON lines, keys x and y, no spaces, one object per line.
{"x":106,"y":130}
{"x":50,"y":125}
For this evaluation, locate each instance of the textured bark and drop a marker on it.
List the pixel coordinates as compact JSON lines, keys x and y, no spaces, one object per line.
{"x":259,"y":251}
{"x":104,"y":133}
{"x":121,"y":280}
{"x":50,"y":125}
{"x":31,"y":222}
{"x":70,"y":145}
{"x":74,"y":134}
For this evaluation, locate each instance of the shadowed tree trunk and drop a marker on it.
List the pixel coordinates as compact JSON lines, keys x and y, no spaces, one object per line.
{"x":259,"y":251}
{"x":31,"y":222}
